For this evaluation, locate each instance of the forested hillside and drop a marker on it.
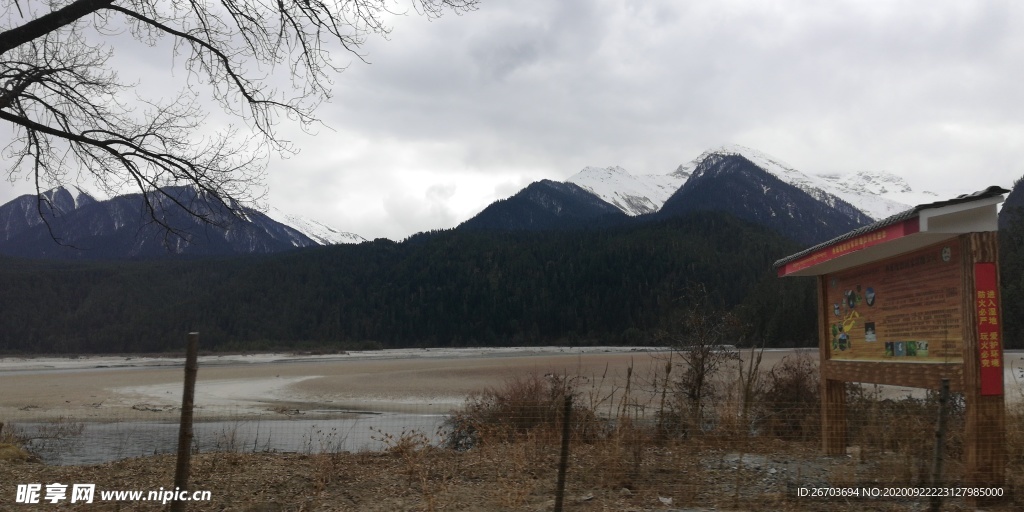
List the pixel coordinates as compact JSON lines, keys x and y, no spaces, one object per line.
{"x":450,"y":288}
{"x":1011,"y":265}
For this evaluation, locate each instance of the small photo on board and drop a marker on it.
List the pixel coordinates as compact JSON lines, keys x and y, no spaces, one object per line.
{"x":844,"y":341}
{"x":869,"y":332}
{"x":911,"y":349}
{"x":890,"y":349}
{"x":900,"y":349}
{"x":922,"y":348}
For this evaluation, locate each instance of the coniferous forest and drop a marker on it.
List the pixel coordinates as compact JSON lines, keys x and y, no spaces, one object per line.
{"x":1011,"y":266}
{"x":614,"y":285}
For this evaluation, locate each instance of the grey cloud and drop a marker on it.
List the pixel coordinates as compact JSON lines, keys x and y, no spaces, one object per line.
{"x":521,"y":91}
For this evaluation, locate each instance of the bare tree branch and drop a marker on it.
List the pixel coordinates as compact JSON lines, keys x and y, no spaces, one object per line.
{"x":34,"y":29}
{"x":70,"y":112}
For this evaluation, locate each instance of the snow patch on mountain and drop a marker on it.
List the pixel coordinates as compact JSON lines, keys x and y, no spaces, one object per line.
{"x":879,"y":193}
{"x":81,"y":197}
{"x":881,"y":182}
{"x":634,"y":195}
{"x":66,"y":199}
{"x":684,"y":172}
{"x":318,"y":231}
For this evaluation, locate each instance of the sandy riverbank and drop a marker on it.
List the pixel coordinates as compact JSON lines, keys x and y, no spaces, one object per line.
{"x":412,"y":381}
{"x":416,"y":381}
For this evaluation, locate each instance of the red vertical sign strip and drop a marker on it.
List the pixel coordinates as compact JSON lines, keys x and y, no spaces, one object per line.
{"x":990,"y":338}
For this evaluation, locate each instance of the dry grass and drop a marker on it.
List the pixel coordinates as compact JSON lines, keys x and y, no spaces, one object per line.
{"x":10,"y":446}
{"x":515,"y":476}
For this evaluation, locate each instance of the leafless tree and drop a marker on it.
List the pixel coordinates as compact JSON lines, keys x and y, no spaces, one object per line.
{"x":70,"y":113}
{"x":704,"y":343}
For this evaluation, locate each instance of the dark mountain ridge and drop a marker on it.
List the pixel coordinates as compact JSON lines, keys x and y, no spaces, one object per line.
{"x":721,"y":181}
{"x":30,"y":211}
{"x":544,"y":205}
{"x":124,"y":227}
{"x":733,"y":184}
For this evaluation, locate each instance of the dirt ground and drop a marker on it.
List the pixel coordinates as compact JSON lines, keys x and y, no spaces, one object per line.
{"x":520,"y":476}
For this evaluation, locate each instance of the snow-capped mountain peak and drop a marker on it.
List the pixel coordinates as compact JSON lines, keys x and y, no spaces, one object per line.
{"x":683,"y":171}
{"x":774,"y":166}
{"x":634,"y":195}
{"x":878,"y":194}
{"x":864,"y":182}
{"x":66,"y":199}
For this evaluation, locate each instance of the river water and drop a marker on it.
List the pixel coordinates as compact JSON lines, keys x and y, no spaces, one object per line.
{"x":103,"y":442}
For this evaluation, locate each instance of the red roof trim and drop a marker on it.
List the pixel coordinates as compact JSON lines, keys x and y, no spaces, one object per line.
{"x":869,"y":239}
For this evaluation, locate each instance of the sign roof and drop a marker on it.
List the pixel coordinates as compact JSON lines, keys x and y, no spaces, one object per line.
{"x":912,"y":229}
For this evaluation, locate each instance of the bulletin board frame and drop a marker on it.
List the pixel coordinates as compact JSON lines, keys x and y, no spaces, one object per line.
{"x":985,"y":435}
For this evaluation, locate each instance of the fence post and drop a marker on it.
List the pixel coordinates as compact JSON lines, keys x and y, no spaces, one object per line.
{"x":181,"y":470}
{"x":563,"y":463}
{"x":940,"y":441}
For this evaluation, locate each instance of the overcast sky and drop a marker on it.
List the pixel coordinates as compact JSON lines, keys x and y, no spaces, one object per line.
{"x":455,"y":113}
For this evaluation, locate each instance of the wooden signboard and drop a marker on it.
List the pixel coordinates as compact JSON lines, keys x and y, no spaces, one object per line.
{"x":913,"y":300}
{"x":912,"y":320}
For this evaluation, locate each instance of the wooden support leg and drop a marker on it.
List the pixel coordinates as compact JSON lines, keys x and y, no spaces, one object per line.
{"x":833,"y":417}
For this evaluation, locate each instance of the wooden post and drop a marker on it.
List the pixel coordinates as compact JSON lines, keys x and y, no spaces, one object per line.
{"x":181,"y":470}
{"x":985,"y":429}
{"x":833,"y":392}
{"x":940,"y":441}
{"x":833,"y":417}
{"x":563,"y":463}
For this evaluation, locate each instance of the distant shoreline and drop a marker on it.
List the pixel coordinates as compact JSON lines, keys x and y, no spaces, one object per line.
{"x":43,"y":362}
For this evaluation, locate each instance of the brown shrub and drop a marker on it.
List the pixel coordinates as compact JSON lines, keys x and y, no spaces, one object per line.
{"x":791,"y":405}
{"x":531,"y":405}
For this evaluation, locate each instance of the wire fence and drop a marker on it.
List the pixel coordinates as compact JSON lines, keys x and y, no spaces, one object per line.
{"x":702,"y":430}
{"x":645,"y":448}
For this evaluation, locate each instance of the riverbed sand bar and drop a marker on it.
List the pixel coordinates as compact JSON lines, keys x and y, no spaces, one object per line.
{"x":428,"y":381}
